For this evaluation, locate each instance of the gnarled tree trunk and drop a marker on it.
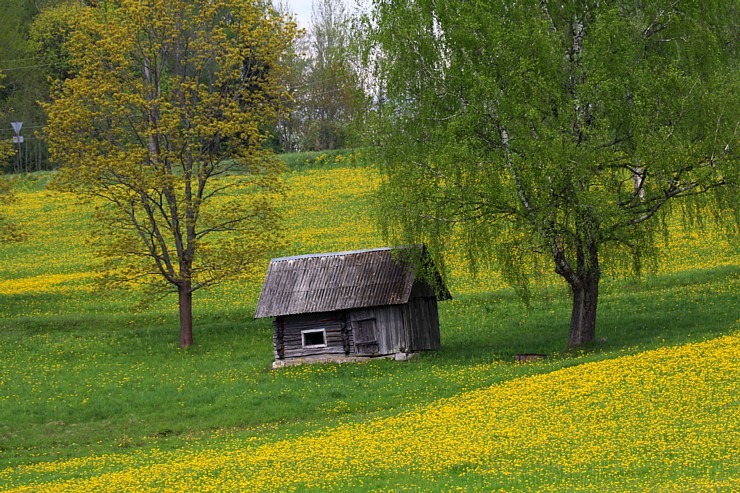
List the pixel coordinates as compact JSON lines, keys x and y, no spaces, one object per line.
{"x":583,"y":318}
{"x":584,"y":285}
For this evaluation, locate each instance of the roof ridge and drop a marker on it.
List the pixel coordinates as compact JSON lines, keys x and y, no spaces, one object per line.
{"x":330,"y":254}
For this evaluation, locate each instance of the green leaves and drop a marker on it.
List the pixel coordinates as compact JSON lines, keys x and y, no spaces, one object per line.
{"x":551,"y":128}
{"x":165,"y":98}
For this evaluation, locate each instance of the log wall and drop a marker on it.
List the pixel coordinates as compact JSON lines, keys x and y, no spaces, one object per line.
{"x":288,"y":342}
{"x":376,"y":331}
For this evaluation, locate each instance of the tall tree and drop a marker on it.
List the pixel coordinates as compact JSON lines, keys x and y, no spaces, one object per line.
{"x":561,"y":129}
{"x":48,"y":35}
{"x":167,"y":97}
{"x":26,"y":80}
{"x":8,"y":230}
{"x":287,"y":133}
{"x":331,"y":97}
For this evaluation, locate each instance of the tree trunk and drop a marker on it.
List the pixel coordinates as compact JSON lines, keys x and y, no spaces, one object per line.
{"x":583,"y":317}
{"x":185,"y":299}
{"x":584,"y":284}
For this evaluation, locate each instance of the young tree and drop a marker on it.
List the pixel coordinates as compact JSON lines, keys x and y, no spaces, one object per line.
{"x":165,"y":99}
{"x":9,"y":231}
{"x":557,"y":129}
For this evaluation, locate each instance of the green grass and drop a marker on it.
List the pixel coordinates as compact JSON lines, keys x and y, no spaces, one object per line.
{"x":97,"y":384}
{"x":82,"y":374}
{"x":659,"y":419}
{"x":296,"y":161}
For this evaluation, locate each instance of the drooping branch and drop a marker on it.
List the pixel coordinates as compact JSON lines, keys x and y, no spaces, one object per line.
{"x":689,"y":189}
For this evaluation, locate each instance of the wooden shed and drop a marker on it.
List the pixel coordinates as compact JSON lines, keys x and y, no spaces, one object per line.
{"x":347,"y":306}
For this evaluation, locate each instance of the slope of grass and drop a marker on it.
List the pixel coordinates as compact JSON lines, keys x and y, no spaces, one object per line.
{"x":96,"y":384}
{"x":84,"y":375}
{"x":662,"y":420}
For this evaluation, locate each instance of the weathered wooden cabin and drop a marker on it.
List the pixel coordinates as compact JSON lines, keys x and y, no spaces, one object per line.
{"x":346,"y":306}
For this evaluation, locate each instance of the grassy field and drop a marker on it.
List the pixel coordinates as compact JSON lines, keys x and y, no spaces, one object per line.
{"x":96,"y":396}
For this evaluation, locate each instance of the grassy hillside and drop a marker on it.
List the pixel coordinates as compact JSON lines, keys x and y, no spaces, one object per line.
{"x":663,"y":420}
{"x":92,"y":382}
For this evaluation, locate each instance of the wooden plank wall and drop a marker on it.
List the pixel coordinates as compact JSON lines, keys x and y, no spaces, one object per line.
{"x":277,"y":338}
{"x":422,"y":322}
{"x":389,"y":325}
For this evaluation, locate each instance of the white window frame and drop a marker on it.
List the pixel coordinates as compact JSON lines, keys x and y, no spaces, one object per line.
{"x":312,"y":331}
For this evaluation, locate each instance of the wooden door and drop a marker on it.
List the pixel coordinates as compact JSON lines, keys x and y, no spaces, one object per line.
{"x":366,"y":337}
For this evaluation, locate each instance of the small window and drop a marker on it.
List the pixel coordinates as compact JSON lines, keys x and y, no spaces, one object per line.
{"x":314,"y":338}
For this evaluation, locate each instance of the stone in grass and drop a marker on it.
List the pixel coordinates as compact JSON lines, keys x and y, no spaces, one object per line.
{"x":530,"y":357}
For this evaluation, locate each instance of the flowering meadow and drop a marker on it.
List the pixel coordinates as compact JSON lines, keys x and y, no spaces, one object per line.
{"x":96,"y":396}
{"x":325,"y":210}
{"x":662,"y":420}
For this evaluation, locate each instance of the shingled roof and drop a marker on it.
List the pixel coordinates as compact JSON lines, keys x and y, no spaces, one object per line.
{"x":328,"y":282}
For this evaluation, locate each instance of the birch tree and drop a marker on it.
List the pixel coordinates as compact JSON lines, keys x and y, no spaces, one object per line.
{"x":560,"y":130}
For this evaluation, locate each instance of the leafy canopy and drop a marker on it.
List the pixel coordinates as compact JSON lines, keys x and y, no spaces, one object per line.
{"x":530,"y":126}
{"x":557,"y":130}
{"x":162,"y":102}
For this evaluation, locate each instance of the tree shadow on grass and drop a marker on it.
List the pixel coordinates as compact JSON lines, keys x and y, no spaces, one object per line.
{"x":640,"y":314}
